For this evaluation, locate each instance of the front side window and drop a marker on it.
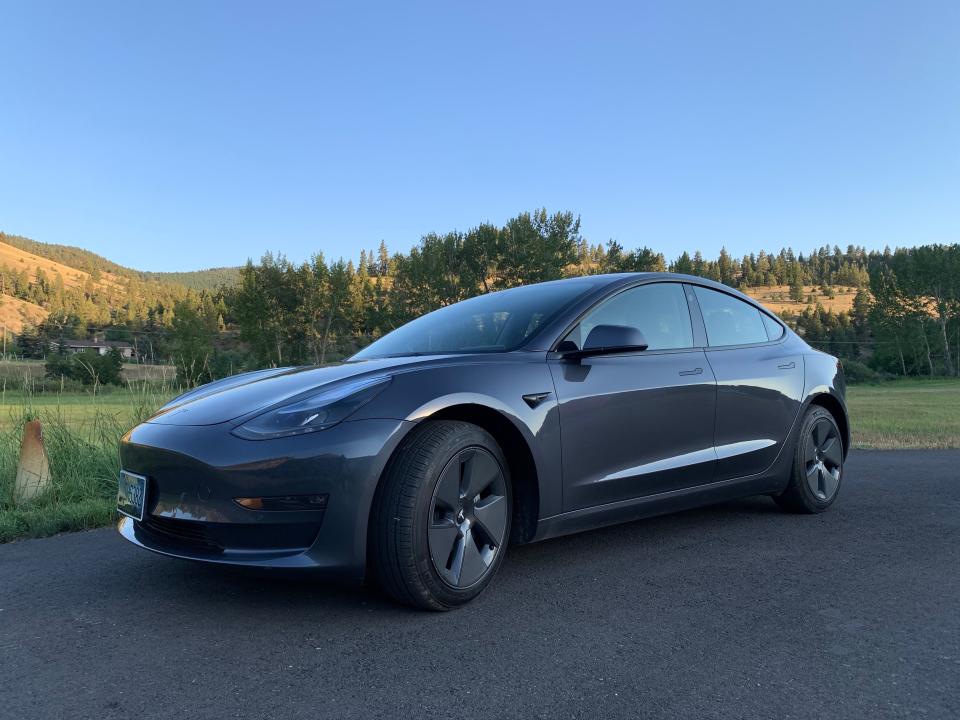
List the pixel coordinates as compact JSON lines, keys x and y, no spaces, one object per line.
{"x":729,"y":321}
{"x":659,"y":311}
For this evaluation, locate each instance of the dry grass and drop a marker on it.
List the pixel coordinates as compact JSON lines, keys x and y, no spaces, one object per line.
{"x":15,"y":313}
{"x":777,"y":298}
{"x":21,"y":373}
{"x":19,"y":260}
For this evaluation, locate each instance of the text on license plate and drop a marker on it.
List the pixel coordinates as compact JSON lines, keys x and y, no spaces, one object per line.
{"x":131,"y":494}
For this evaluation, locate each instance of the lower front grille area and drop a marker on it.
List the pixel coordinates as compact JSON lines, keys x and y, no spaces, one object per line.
{"x":168,"y":532}
{"x":215,"y":538}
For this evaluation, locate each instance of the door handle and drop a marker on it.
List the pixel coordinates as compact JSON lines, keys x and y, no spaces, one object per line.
{"x":695,"y":371}
{"x":787,"y":366}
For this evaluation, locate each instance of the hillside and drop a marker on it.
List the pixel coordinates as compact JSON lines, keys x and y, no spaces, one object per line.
{"x":15,"y":313}
{"x":777,"y":298}
{"x":88,"y":262}
{"x":77,"y":259}
{"x":19,"y":259}
{"x":209,"y":279}
{"x":37,"y":278}
{"x":99,"y":280}
{"x":285,"y":313}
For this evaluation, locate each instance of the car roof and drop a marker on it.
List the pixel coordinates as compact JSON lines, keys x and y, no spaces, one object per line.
{"x":608,"y":281}
{"x":611,"y":281}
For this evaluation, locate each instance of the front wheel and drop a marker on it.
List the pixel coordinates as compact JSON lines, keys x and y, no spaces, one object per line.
{"x":442,"y":517}
{"x":817,"y":465}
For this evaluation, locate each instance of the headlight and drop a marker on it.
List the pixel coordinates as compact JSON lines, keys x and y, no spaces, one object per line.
{"x":317,"y":412}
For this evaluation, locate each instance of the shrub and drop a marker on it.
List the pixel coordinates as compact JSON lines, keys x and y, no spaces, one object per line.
{"x":89,"y":368}
{"x":858,"y":372}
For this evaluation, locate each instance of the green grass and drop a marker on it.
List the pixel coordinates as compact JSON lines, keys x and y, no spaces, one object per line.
{"x":78,"y":410}
{"x":905,"y":414}
{"x":82,"y":429}
{"x":81,"y":432}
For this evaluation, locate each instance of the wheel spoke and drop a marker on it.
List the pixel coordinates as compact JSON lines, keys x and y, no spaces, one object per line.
{"x":813,"y":477}
{"x":448,"y":489}
{"x":442,"y":536}
{"x":813,"y":469}
{"x":491,"y":516}
{"x":451,"y":565}
{"x":473,"y":565}
{"x":479,"y":471}
{"x":832,"y":452}
{"x":831,"y":479}
{"x":818,"y":434}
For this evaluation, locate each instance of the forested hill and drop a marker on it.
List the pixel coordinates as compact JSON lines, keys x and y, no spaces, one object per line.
{"x":90,"y":262}
{"x":59,"y":286}
{"x":210,"y":279}
{"x":896,"y":311}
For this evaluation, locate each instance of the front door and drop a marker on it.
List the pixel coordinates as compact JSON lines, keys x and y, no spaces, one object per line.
{"x":639,"y":423}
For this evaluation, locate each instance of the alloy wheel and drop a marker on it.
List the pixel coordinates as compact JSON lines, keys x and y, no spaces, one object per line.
{"x":468,"y":517}
{"x":824,"y":460}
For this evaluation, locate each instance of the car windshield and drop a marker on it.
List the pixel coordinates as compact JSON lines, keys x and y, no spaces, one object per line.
{"x":497,"y":322}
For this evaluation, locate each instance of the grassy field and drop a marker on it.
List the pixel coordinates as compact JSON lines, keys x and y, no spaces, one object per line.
{"x":78,"y":411}
{"x":906,"y":414}
{"x":81,"y":431}
{"x":17,"y":374}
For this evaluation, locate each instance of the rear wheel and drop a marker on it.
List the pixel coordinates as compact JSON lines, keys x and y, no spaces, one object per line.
{"x":442,"y":518}
{"x":817,"y":465}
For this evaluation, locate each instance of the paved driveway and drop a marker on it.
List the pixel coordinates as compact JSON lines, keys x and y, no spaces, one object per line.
{"x":732,"y":611}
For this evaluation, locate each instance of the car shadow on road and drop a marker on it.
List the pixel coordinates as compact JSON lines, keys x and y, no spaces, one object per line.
{"x":200,"y":586}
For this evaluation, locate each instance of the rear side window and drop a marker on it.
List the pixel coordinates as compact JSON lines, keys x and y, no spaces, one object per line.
{"x":774,"y":329}
{"x":729,"y":321}
{"x":658,"y":310}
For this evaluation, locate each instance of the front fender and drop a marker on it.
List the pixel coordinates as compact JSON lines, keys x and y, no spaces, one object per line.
{"x":417,"y":394}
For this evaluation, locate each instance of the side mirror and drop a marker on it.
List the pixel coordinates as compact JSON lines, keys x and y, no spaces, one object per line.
{"x":607,"y":340}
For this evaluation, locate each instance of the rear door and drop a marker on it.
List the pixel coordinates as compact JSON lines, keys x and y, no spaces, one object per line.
{"x":759,"y":388}
{"x":636,"y":423}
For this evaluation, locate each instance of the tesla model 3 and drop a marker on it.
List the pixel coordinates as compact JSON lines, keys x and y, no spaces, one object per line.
{"x":507,"y":418}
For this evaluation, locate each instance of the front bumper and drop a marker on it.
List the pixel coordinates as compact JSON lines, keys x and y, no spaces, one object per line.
{"x":195,"y":472}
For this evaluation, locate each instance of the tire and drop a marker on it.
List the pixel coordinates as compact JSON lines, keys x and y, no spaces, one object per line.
{"x":441,"y":516}
{"x":817,"y":469}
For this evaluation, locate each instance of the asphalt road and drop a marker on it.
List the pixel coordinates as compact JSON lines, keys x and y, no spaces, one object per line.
{"x":732,"y":611}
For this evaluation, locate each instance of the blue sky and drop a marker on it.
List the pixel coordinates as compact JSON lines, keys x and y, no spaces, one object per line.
{"x":180,"y":135}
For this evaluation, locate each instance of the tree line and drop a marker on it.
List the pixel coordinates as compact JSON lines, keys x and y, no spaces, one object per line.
{"x":905,"y":318}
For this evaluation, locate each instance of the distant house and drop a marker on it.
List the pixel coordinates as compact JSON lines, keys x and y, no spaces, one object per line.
{"x":101,"y":347}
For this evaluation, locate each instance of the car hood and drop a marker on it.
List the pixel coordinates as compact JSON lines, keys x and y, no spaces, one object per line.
{"x":241,"y":395}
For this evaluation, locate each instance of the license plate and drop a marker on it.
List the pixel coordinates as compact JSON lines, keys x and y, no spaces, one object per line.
{"x":131,"y":494}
